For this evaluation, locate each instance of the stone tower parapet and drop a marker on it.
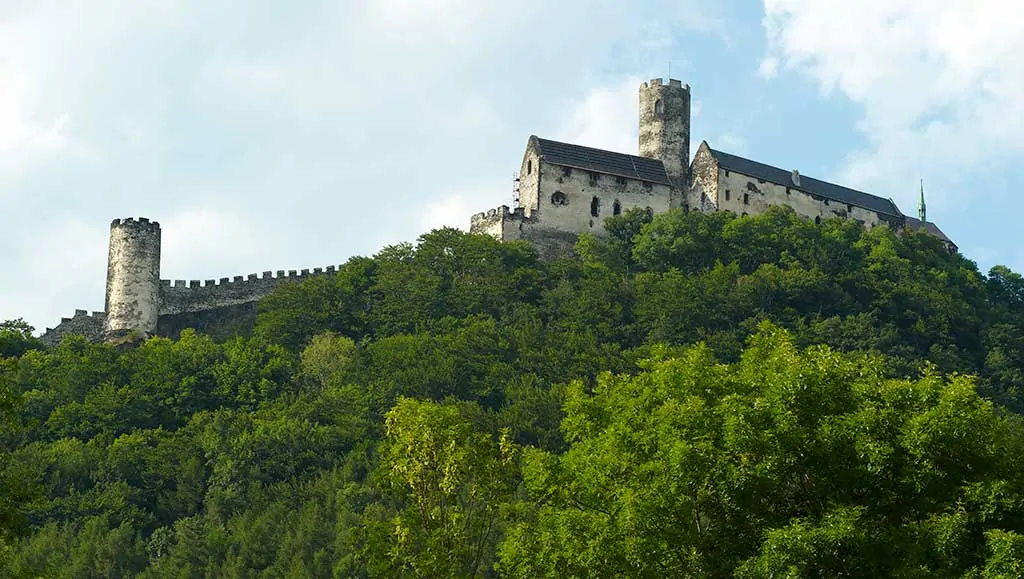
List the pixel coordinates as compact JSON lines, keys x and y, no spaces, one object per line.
{"x":665,"y":127}
{"x":133,"y":277}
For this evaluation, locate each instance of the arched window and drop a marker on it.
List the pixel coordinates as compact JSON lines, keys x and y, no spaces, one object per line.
{"x":659,"y":108}
{"x":616,"y":208}
{"x":595,"y":206}
{"x":817,"y":220}
{"x":529,"y":166}
{"x":558,"y":198}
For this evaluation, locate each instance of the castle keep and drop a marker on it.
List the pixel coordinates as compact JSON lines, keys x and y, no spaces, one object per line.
{"x":563,"y":190}
{"x":567,"y":189}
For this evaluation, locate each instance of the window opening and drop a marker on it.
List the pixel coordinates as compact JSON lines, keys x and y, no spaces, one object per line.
{"x":595,"y":206}
{"x":558,"y":198}
{"x":616,"y":208}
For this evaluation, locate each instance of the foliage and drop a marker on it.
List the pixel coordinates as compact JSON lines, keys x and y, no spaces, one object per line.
{"x":691,"y":395}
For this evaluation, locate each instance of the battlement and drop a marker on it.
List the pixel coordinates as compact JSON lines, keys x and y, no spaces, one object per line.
{"x":498,"y":214}
{"x":182,"y":296}
{"x":82,"y":323}
{"x":658,"y":82}
{"x":133,"y":223}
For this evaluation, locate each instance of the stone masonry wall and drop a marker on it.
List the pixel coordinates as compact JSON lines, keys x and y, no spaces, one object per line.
{"x":703,"y":192}
{"x":529,"y":180}
{"x":745,"y":195}
{"x":567,"y":198}
{"x":182,"y":296}
{"x":83,"y":323}
{"x":133,"y":269}
{"x":665,"y":127}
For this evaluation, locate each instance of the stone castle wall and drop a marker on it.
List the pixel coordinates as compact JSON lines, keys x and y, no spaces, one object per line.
{"x":221,"y":308}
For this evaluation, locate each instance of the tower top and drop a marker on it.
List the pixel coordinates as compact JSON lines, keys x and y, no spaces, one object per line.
{"x":658,"y":82}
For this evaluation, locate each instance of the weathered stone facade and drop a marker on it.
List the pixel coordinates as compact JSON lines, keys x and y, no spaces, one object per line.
{"x":133,"y":276}
{"x":665,"y":127}
{"x":565,"y":189}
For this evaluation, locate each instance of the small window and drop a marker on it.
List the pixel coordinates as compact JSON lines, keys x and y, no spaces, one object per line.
{"x":849,"y":207}
{"x":620,"y":180}
{"x":594,"y":177}
{"x":817,"y":220}
{"x":686,"y":207}
{"x":567,"y":171}
{"x":559,"y":199}
{"x":726,"y":194}
{"x":659,"y":107}
{"x":616,"y":207}
{"x":746,"y":199}
{"x":744,"y":214}
{"x":529,"y":167}
{"x":595,"y":206}
{"x":648,"y":184}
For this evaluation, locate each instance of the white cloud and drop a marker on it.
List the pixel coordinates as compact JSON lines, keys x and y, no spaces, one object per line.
{"x":451,"y":211}
{"x":939,"y":82}
{"x":60,"y":269}
{"x":204,"y":241}
{"x":731,"y":143}
{"x":768,"y":67}
{"x":605,"y":118}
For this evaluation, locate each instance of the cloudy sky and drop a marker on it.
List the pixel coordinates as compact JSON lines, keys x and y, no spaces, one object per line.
{"x":285,"y":135}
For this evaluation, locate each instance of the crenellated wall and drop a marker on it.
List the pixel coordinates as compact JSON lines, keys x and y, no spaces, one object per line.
{"x":219,"y":307}
{"x":181,"y":296}
{"x":83,"y":323}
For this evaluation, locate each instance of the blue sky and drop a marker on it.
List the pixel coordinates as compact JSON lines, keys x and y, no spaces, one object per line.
{"x":271,"y":135}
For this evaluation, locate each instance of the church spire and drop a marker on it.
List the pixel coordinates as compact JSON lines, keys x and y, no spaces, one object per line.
{"x":920,"y":204}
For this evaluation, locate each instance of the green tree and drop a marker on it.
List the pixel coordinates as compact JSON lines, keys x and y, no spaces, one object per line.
{"x":455,"y":482}
{"x":788,"y":463}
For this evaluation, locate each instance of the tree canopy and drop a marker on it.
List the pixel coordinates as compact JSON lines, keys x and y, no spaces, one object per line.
{"x":699,"y":395}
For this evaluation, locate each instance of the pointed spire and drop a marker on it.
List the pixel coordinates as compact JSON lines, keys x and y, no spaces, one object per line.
{"x":920,"y":204}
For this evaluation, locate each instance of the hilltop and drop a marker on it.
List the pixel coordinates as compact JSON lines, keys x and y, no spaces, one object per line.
{"x":690,"y":394}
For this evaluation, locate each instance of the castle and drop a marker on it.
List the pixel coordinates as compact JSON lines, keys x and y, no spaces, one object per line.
{"x":563,"y":190}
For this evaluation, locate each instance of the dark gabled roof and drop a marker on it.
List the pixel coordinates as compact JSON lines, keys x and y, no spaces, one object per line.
{"x":807,"y":184}
{"x":928,"y":227}
{"x":597,"y":160}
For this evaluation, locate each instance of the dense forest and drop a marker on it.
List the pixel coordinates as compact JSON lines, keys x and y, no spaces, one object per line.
{"x":691,"y":395}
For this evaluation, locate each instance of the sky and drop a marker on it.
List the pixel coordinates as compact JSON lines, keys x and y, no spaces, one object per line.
{"x":287,"y":135}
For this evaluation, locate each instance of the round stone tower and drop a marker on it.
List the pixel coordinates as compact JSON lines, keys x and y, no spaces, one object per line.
{"x":133,"y":277}
{"x":665,"y":127}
